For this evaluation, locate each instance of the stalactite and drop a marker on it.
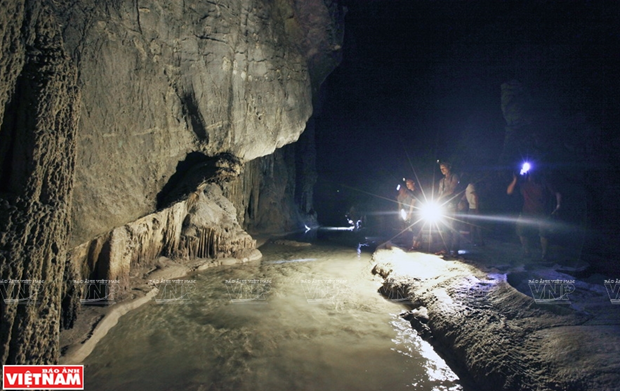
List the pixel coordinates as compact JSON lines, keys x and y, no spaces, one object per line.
{"x":204,"y":237}
{"x":207,"y":229}
{"x":214,"y":243}
{"x":211,"y":251}
{"x":172,"y":224}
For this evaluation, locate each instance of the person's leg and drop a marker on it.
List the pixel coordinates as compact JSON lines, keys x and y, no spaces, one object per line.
{"x":544,"y":230}
{"x":445,"y":232}
{"x":417,"y":244}
{"x":470,"y":228}
{"x":475,"y":230}
{"x":454,"y":229}
{"x":478,"y":235}
{"x":416,"y":238}
{"x":446,"y":239}
{"x":455,"y":243}
{"x":525,"y":243}
{"x":544,"y":245}
{"x":523,"y":233}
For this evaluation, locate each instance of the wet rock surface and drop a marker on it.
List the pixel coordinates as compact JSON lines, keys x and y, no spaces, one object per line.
{"x":506,"y":323}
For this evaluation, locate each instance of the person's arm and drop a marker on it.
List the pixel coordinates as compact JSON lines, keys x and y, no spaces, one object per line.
{"x":454,"y":183}
{"x":440,"y":188}
{"x":558,"y":197}
{"x":512,"y":185}
{"x":410,"y":213}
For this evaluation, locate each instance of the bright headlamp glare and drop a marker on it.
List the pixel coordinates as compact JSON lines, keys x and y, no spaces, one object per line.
{"x":431,"y":212}
{"x":525,"y":168}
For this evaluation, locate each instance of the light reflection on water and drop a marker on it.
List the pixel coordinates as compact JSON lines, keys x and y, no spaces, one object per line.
{"x":280,"y":324}
{"x":294,"y":260}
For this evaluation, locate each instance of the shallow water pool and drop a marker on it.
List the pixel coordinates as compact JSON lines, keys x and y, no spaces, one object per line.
{"x":303,"y":318}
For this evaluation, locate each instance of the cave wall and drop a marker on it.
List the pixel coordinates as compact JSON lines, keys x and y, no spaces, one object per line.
{"x":274,"y":193}
{"x":40,"y":106}
{"x":121,"y":123}
{"x":162,"y":79}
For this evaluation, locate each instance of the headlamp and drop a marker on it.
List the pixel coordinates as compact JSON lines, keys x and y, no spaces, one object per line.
{"x":525,"y":168}
{"x":431,"y":212}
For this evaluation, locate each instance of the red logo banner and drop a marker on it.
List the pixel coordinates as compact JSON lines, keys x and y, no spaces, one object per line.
{"x":43,"y":377}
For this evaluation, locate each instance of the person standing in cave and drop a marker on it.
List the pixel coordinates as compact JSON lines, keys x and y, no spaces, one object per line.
{"x":471,"y":199}
{"x":407,"y":199}
{"x":538,"y":196}
{"x":449,"y":198}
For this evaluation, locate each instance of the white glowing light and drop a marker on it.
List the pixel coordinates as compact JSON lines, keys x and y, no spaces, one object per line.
{"x":403,"y":214}
{"x":525,"y":168}
{"x":431,"y":212}
{"x":307,"y":228}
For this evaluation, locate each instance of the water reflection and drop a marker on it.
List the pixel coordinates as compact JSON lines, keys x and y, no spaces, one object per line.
{"x":294,"y":260}
{"x":281,"y":324}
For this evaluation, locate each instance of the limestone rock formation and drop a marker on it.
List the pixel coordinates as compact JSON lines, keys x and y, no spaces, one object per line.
{"x":120,"y":118}
{"x":497,"y":337}
{"x":211,"y":230}
{"x":515,"y":104}
{"x":162,"y":79}
{"x":203,"y":225}
{"x":39,"y":111}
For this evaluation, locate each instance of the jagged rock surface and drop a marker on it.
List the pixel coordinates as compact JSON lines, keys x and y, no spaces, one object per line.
{"x":40,"y":104}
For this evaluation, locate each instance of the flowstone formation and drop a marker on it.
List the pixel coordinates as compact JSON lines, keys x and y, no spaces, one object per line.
{"x":210,"y":229}
{"x":127,"y":127}
{"x":200,"y":223}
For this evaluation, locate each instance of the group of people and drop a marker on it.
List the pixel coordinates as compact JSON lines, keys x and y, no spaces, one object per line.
{"x":450,"y":197}
{"x":462,"y":211}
